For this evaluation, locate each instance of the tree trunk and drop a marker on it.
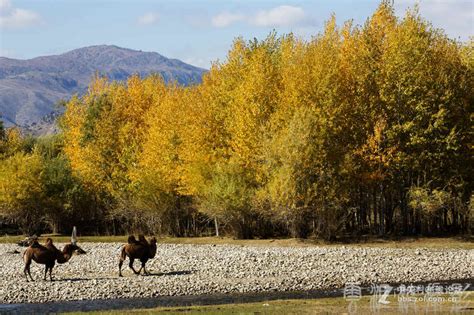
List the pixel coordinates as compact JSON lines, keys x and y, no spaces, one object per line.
{"x":216,"y":224}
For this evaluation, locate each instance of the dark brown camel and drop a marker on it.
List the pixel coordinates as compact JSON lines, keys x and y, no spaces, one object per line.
{"x":141,"y":249}
{"x":48,"y":254}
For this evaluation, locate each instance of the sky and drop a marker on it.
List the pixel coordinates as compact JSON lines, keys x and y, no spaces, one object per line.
{"x":195,"y":31}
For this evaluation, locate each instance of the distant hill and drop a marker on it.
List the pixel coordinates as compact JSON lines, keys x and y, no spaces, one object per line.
{"x":29,"y":89}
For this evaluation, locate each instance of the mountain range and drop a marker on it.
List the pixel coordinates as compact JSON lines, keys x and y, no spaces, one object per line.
{"x":30,"y":89}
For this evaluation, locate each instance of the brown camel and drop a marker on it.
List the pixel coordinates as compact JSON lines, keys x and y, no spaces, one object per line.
{"x":141,"y":249}
{"x":48,"y":254}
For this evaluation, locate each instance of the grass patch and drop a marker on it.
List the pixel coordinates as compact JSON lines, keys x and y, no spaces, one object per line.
{"x":66,"y":238}
{"x":313,"y":306}
{"x":438,"y":243}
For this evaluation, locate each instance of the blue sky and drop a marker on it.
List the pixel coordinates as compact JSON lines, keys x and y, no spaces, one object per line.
{"x":196,"y":32}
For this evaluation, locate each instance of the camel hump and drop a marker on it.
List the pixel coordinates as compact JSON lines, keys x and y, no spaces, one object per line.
{"x":131,"y":239}
{"x":142,"y":239}
{"x":49,"y":241}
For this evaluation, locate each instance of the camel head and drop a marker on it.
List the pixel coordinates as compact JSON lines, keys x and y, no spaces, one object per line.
{"x":73,"y":248}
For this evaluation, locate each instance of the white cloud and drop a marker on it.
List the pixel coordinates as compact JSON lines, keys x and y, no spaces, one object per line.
{"x":226,"y":18}
{"x":284,"y":15}
{"x":5,"y":5}
{"x":148,"y":18}
{"x":11,"y":17}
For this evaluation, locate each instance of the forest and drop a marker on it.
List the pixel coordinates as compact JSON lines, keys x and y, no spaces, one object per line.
{"x":361,"y":130}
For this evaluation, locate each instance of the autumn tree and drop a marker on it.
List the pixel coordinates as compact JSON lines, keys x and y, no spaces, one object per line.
{"x":359,"y":130}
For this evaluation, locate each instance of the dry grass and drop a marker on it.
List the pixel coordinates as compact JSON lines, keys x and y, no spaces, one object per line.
{"x":438,"y":243}
{"x":313,"y":306}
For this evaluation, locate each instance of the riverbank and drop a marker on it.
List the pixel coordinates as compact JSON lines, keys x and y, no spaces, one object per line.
{"x":184,"y":270}
{"x":264,"y":303}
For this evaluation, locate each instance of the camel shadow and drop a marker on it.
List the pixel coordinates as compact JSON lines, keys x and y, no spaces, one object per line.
{"x":79,"y":279}
{"x":172,"y":273}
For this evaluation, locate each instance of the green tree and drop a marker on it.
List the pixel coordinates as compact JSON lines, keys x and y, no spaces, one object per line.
{"x":2,"y":129}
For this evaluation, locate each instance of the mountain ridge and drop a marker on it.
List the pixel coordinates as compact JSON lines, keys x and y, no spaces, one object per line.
{"x":30,"y":88}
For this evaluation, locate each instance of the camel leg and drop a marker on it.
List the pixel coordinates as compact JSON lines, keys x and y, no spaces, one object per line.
{"x":144,"y":268}
{"x":27,"y":269}
{"x":29,"y":272}
{"x":26,"y":275}
{"x":123,"y":255}
{"x":46,"y":267}
{"x":143,"y":265}
{"x":145,"y":271}
{"x":51,"y":271}
{"x":120,"y":268}
{"x":131,"y":266}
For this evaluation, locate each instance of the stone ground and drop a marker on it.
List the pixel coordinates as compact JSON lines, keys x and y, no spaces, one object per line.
{"x":179,"y":270}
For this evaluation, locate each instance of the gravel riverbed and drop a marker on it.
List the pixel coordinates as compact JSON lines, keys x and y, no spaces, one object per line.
{"x":214,"y":269}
